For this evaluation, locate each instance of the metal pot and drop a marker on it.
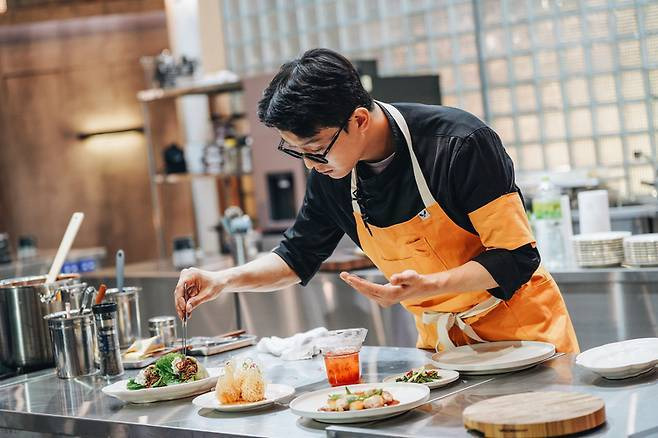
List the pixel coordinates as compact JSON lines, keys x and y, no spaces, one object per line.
{"x":24,"y":337}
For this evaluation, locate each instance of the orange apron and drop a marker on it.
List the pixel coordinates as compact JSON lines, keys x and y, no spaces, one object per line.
{"x":431,"y":242}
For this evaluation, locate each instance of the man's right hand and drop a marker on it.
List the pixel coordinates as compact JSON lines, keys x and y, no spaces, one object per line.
{"x":201,"y":286}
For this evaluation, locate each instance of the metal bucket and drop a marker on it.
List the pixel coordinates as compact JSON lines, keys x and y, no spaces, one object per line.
{"x":24,"y":340}
{"x":73,"y":339}
{"x":128,"y":321}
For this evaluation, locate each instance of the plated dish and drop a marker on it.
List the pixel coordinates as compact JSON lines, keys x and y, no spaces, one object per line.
{"x":170,"y":369}
{"x":427,"y":375}
{"x":403,"y":397}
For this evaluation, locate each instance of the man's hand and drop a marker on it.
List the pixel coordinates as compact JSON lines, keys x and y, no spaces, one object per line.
{"x":403,"y":286}
{"x":201,"y":286}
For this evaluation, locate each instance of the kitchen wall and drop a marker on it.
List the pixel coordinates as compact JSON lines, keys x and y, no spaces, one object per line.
{"x":81,"y":74}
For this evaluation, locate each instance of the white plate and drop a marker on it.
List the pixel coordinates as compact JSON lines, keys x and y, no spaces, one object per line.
{"x":620,"y":360}
{"x":120,"y":391}
{"x":445,"y":377}
{"x":273,"y":393}
{"x":494,"y":357}
{"x":410,"y":395}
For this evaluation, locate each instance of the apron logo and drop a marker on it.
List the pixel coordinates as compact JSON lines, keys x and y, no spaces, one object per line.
{"x":424,"y":214}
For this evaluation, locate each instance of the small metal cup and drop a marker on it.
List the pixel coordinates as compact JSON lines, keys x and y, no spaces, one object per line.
{"x":73,"y":343}
{"x":128,"y":321}
{"x":165,"y":327}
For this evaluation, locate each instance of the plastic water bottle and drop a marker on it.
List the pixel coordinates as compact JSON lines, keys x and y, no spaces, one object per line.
{"x":547,"y":215}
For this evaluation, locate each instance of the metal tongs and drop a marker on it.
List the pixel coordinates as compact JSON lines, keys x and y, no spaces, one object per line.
{"x":186,"y":289}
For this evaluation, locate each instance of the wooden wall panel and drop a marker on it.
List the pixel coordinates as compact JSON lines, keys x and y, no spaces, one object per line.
{"x":63,"y":77}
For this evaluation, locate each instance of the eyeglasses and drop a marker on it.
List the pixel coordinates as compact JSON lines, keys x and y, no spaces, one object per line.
{"x":318,"y":158}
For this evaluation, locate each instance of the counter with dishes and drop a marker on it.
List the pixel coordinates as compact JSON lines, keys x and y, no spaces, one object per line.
{"x":42,"y":402}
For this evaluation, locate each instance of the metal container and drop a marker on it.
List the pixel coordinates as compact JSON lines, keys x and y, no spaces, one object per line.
{"x":24,"y":340}
{"x":73,"y":343}
{"x":128,"y":322}
{"x":165,"y":327}
{"x":105,"y":315}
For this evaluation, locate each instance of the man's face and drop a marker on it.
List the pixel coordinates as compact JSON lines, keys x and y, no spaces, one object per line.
{"x":343,"y":156}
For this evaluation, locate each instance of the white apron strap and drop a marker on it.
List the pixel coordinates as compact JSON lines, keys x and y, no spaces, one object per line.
{"x":445,"y":321}
{"x":423,"y":188}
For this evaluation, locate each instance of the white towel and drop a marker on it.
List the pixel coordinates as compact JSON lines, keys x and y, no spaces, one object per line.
{"x":296,"y":347}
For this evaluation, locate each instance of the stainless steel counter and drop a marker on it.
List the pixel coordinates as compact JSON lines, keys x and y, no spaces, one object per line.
{"x":42,"y":403}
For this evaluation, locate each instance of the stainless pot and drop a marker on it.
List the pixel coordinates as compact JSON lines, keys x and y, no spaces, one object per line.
{"x":24,"y":337}
{"x":128,"y":322}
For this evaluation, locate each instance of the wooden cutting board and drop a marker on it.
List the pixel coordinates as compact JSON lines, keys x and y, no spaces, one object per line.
{"x":535,"y":414}
{"x":345,"y":261}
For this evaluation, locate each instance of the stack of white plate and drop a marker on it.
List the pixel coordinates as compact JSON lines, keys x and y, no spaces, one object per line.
{"x":494,"y":357}
{"x":600,"y":249}
{"x":641,"y":250}
{"x":621,"y":360}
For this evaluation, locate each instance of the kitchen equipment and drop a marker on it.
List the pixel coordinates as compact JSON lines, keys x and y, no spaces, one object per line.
{"x":5,"y":252}
{"x":65,"y":246}
{"x":128,"y":319}
{"x":73,"y":343}
{"x":621,"y":360}
{"x":600,"y":249}
{"x":87,"y":299}
{"x":184,"y":254}
{"x":410,"y":395}
{"x":120,"y":264}
{"x":105,"y":317}
{"x":24,"y":336}
{"x":273,"y":393}
{"x":101,"y":294}
{"x":494,"y":357}
{"x":535,"y":414}
{"x":165,"y":327}
{"x":641,"y":250}
{"x":207,"y":346}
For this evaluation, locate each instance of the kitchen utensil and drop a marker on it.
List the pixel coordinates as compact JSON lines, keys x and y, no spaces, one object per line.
{"x":101,"y":294}
{"x":410,"y":395}
{"x":209,"y":346}
{"x":24,"y":335}
{"x":494,"y":357}
{"x":119,"y":389}
{"x":165,"y":327}
{"x":537,"y":414}
{"x":185,"y":297}
{"x":128,"y":317}
{"x":273,"y":393}
{"x":65,"y":246}
{"x":72,"y":338}
{"x":120,"y":264}
{"x":446,"y":377}
{"x":105,"y":317}
{"x":87,"y":299}
{"x":621,"y":360}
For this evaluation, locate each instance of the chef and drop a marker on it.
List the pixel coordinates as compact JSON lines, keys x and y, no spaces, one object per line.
{"x":427,"y":192}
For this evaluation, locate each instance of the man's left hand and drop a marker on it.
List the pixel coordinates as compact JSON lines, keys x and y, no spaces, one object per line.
{"x":403,"y":286}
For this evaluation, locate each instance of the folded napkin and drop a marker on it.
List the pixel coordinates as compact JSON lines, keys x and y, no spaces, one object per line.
{"x":296,"y":347}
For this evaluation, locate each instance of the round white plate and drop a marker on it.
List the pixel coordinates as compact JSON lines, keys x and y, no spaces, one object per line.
{"x":620,"y":360}
{"x":493,"y":357}
{"x":120,"y":391}
{"x":445,"y":377}
{"x":273,"y":393}
{"x":609,"y":236}
{"x":410,"y":395}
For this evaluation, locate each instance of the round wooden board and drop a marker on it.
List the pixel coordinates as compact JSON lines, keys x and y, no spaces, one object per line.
{"x":535,"y":414}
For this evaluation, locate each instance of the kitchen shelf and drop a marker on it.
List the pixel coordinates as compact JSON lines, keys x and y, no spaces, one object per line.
{"x":155,"y":94}
{"x":173,"y":178}
{"x":146,"y":97}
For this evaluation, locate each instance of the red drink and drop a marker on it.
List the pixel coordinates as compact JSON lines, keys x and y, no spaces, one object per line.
{"x":343,"y":368}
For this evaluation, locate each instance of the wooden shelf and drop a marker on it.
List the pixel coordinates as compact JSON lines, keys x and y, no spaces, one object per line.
{"x":173,"y":178}
{"x":154,"y":94}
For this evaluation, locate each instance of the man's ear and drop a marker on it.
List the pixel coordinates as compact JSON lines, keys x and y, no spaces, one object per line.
{"x":363,"y":118}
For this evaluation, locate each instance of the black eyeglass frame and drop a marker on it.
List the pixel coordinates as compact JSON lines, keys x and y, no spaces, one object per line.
{"x":318,"y":158}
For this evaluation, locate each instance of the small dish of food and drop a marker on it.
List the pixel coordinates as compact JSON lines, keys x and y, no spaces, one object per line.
{"x":427,"y":375}
{"x":173,"y":376}
{"x":242,"y":387}
{"x":360,"y":403}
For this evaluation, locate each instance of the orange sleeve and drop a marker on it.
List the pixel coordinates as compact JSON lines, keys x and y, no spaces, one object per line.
{"x":502,"y":223}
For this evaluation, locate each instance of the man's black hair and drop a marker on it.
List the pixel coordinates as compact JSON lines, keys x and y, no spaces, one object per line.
{"x":318,"y":90}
